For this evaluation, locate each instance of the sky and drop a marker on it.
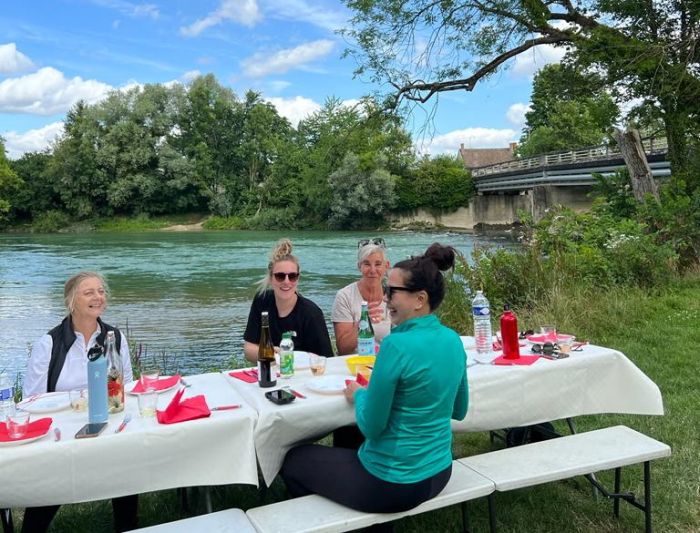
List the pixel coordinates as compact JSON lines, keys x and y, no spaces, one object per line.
{"x":56,"y":52}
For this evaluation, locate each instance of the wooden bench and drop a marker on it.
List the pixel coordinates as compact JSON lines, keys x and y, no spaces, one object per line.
{"x":570,"y":456}
{"x":319,"y":515}
{"x":227,"y":521}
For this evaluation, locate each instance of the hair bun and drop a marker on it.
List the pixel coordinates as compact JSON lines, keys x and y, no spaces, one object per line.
{"x":442,"y":256}
{"x":283,"y":248}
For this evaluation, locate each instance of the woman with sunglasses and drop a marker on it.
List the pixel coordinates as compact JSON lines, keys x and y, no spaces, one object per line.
{"x":372,"y":264}
{"x":288,"y":310}
{"x":419,"y":383}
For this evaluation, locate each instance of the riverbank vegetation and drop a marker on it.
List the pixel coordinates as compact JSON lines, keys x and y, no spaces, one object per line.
{"x":168,"y":150}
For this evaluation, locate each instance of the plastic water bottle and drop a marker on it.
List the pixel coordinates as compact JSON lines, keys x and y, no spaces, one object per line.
{"x":481,"y":312}
{"x":7,"y":398}
{"x":287,"y":355}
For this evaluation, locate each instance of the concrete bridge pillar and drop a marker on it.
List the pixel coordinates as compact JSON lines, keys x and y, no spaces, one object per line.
{"x":539,"y":201}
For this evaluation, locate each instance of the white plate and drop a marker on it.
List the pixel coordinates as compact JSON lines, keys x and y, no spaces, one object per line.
{"x":49,"y":402}
{"x":330,"y":384}
{"x":130,"y":386}
{"x":23,"y":441}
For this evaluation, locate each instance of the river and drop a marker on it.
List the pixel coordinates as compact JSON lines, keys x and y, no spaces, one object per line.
{"x":187,"y":294}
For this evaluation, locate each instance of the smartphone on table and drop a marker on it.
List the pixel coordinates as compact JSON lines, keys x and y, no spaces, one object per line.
{"x":280,"y":396}
{"x":90,"y":430}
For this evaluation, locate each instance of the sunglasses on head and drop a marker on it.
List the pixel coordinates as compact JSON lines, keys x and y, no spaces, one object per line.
{"x":279,"y":276}
{"x":377,"y":241}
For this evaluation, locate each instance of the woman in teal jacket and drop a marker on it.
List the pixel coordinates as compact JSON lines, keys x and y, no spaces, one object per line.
{"x":418,"y":385}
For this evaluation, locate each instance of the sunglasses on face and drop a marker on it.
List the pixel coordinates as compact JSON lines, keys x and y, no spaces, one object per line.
{"x":389,"y":290}
{"x":279,"y":276}
{"x":377,"y":241}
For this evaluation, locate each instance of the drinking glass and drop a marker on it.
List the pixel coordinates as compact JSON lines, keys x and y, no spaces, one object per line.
{"x":78,"y":400}
{"x":549,"y":332}
{"x":17,"y":424}
{"x":317,"y":363}
{"x":149,"y":377}
{"x":148,"y":402}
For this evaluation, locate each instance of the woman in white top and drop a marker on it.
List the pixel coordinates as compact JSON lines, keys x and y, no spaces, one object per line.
{"x":59,"y":363}
{"x":373,"y":265}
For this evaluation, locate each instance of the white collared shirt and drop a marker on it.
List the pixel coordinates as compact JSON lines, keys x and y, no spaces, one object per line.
{"x":74,"y":372}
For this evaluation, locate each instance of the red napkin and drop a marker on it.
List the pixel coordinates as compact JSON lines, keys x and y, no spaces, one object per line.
{"x":181,"y":411}
{"x":523,"y":360}
{"x":35,"y":429}
{"x":249,"y":376}
{"x":360,"y":379}
{"x":161,"y":384}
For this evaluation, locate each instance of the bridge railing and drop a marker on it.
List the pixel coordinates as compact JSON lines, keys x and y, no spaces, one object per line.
{"x":594,"y":153}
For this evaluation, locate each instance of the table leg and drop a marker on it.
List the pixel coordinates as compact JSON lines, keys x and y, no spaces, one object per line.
{"x":7,"y":525}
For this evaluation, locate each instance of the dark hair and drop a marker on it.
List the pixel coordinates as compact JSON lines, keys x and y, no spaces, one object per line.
{"x":423,"y":272}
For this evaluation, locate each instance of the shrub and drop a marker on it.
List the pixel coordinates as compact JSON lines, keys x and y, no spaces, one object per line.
{"x":50,"y":222}
{"x":223,"y":223}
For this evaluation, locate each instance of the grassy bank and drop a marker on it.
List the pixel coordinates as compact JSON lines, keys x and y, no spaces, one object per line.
{"x":658,"y":331}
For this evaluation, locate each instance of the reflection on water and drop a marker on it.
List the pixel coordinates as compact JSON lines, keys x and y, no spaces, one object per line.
{"x":185,"y":293}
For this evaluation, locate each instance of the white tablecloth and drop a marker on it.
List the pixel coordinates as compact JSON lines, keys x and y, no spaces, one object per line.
{"x":281,"y":427}
{"x":146,"y":456}
{"x":595,"y":380}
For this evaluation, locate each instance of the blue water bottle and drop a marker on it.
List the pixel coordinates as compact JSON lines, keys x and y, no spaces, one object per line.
{"x":97,"y":385}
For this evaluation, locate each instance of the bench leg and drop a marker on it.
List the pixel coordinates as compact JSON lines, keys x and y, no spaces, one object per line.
{"x":647,"y":496}
{"x":207,"y":499}
{"x":7,"y":525}
{"x":465,"y":518}
{"x":616,"y":501}
{"x":492,"y":512}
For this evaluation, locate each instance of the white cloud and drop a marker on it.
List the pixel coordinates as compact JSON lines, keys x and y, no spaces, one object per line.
{"x":31,"y":141}
{"x":245,"y":12}
{"x":47,"y":92}
{"x":12,"y":60}
{"x":529,"y":62}
{"x":262,"y":63}
{"x":294,"y":109}
{"x":300,"y":10}
{"x":129,"y":8}
{"x":516,"y":114}
{"x":190,"y":75}
{"x":449,"y":143}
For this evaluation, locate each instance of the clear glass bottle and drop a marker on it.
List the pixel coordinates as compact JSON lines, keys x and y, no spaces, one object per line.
{"x":97,"y":385}
{"x":115,"y":376}
{"x":365,"y":333}
{"x":267,"y":377}
{"x":6,"y":395}
{"x":287,"y":355}
{"x":481,"y":311}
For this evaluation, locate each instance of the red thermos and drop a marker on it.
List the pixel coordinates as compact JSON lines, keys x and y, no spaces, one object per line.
{"x":509,"y":334}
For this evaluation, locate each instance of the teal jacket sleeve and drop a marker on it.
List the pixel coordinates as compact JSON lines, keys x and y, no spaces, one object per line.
{"x":459,"y":411}
{"x":373,"y":405}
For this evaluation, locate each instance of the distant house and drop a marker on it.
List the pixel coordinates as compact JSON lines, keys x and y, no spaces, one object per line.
{"x":481,"y":157}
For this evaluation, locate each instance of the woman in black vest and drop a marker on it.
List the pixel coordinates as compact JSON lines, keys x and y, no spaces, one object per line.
{"x":59,"y":363}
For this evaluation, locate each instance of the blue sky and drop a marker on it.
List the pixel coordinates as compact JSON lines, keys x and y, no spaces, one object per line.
{"x":54,"y":53}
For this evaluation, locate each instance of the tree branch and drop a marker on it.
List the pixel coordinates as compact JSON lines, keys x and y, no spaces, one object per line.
{"x":413,"y":90}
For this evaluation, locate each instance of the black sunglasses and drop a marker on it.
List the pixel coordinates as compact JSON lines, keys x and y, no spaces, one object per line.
{"x":389,"y":290}
{"x":279,"y":276}
{"x":547,"y":348}
{"x":377,"y":241}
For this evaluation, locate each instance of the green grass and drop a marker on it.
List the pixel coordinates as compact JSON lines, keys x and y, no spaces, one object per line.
{"x":658,"y":331}
{"x":145,"y":223}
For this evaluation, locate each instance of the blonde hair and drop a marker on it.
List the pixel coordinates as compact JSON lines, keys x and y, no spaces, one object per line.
{"x":281,"y":252}
{"x":70,"y":289}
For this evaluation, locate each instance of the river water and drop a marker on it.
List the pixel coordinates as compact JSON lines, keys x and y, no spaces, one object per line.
{"x":187,"y":294}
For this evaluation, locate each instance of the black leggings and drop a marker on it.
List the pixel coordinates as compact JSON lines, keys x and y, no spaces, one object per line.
{"x":338,"y":474}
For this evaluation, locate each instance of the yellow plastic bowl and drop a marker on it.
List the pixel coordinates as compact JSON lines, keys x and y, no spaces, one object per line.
{"x":357,"y":361}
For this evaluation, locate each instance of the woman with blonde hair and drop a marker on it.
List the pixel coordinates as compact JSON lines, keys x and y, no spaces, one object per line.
{"x":58,"y":362}
{"x":288,"y":310}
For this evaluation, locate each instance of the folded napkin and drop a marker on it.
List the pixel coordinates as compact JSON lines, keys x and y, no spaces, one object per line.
{"x":360,"y":379}
{"x":161,"y":384}
{"x":181,"y":411}
{"x":523,"y":360}
{"x":249,"y":376}
{"x":36,"y":428}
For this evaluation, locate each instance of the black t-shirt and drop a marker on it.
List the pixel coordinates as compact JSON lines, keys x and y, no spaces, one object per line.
{"x":306,"y":319}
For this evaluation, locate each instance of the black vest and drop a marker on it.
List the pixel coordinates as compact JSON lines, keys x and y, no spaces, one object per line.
{"x":63,"y":338}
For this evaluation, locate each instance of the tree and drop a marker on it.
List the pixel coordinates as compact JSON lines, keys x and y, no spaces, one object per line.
{"x":569,"y":109}
{"x":38,"y":193}
{"x":646,"y":49}
{"x":439,"y":183}
{"x":10,"y":185}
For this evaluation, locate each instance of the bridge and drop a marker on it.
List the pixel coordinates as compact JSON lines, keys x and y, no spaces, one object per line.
{"x":565,"y":169}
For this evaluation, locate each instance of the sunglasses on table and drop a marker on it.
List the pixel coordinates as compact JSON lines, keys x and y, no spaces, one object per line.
{"x":377,"y":241}
{"x":279,"y":276}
